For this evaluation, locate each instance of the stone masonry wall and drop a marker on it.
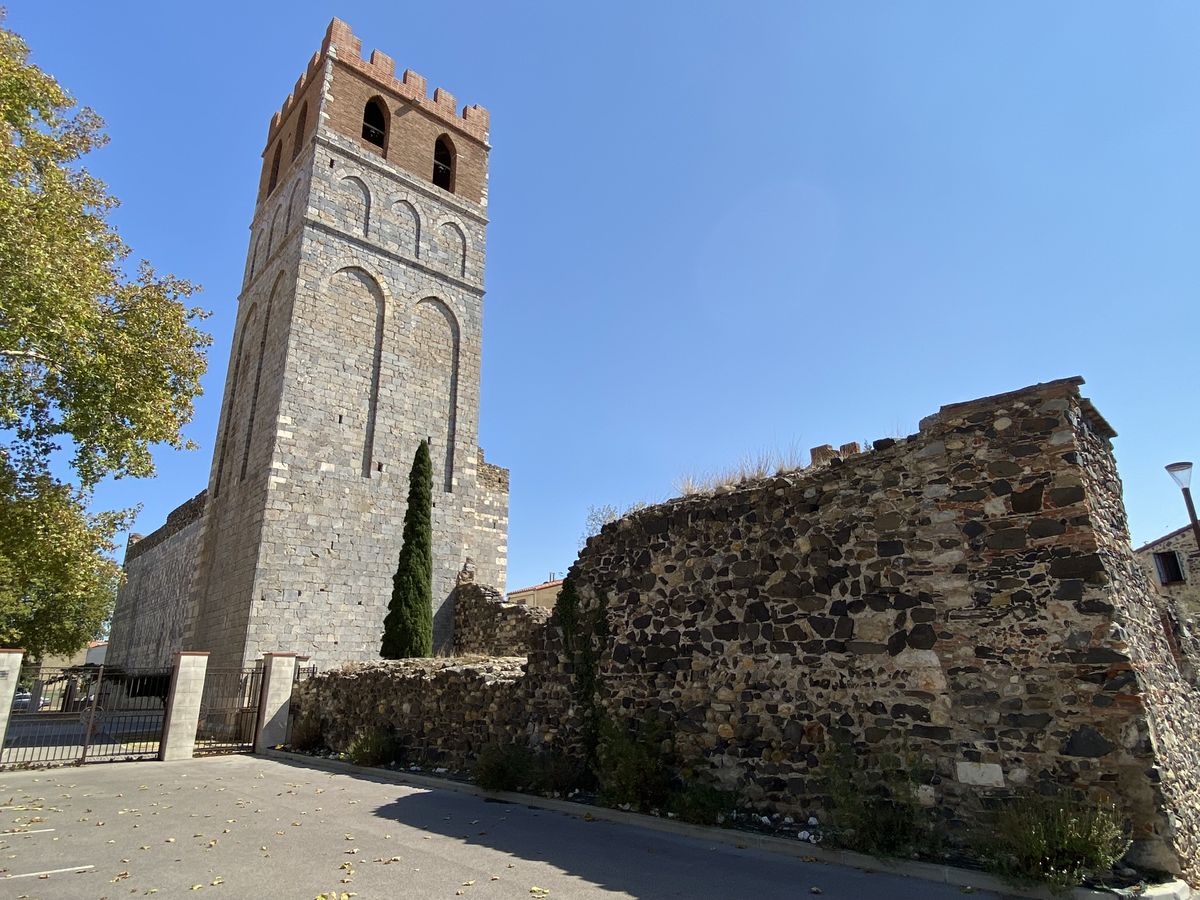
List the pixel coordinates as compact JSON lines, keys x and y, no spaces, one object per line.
{"x":490,"y":542}
{"x":1167,"y":688}
{"x":966,"y":595}
{"x":944,"y":594}
{"x":151,"y":609}
{"x":484,"y":624}
{"x":443,"y":711}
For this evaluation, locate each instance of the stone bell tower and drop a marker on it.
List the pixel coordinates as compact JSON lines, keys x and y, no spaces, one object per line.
{"x":358,"y":335}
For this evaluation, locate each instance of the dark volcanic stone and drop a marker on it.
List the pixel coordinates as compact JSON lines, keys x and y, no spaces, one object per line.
{"x":1087,"y":741}
{"x":1065,"y":496}
{"x":1007,"y":539}
{"x":922,"y":637}
{"x":890,"y":548}
{"x":793,"y":732}
{"x":936,"y":732}
{"x":757,"y":612}
{"x":822,"y":626}
{"x":1046,"y":528}
{"x":907,"y":711}
{"x":1027,"y":501}
{"x":1070,"y":589}
{"x":1076,"y":566}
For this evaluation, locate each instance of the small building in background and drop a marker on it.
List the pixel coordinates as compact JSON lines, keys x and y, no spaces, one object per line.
{"x":1173,"y":564}
{"x":542,"y":595}
{"x":91,"y":655}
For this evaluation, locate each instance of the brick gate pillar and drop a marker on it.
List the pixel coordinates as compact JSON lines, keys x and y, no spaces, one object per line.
{"x":10,"y":669}
{"x":279,"y":674}
{"x":182,"y":715}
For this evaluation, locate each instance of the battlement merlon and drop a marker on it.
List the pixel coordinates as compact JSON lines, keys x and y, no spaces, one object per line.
{"x":341,"y":44}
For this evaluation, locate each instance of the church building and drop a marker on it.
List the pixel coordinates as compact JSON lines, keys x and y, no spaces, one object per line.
{"x":359,"y":334}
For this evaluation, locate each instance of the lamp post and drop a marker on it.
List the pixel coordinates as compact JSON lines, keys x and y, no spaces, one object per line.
{"x":1182,"y":473}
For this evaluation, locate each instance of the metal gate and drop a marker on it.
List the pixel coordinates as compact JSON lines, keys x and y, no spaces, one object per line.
{"x":229,"y":710}
{"x":78,"y":714}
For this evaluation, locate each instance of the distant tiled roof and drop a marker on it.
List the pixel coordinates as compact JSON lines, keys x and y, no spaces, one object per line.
{"x":538,"y":587}
{"x":1165,"y":537}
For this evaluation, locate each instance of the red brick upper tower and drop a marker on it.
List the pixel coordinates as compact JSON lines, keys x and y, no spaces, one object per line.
{"x":385,"y":115}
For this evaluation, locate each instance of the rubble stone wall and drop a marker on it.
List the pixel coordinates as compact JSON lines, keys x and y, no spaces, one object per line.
{"x":966,"y":596}
{"x":485,"y":624}
{"x":1164,"y":665}
{"x":443,"y":711}
{"x":954,"y":595}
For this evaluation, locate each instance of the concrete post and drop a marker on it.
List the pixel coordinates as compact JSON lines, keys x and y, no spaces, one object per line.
{"x":181,"y":718}
{"x":279,"y":674}
{"x":10,"y":669}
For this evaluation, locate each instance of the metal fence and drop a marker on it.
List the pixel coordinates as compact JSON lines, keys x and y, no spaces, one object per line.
{"x":229,"y":710}
{"x":303,"y":673}
{"x":77,"y":714}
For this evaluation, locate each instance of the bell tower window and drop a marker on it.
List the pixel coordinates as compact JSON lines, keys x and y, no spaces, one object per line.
{"x":374,"y":130}
{"x":443,"y":164}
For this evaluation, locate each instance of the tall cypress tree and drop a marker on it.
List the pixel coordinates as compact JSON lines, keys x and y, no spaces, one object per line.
{"x":408,"y":628}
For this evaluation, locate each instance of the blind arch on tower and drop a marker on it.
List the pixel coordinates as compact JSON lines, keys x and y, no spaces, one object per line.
{"x":435,"y":343}
{"x":408,"y":226}
{"x":231,"y":406}
{"x":274,"y":234}
{"x":262,"y":352}
{"x":452,"y":247}
{"x":360,"y":333}
{"x":356,"y":204}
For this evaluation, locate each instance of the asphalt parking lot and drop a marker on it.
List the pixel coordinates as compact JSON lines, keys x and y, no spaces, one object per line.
{"x":241,"y":826}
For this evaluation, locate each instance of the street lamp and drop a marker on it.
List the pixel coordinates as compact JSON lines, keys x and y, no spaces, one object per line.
{"x":1182,"y":473}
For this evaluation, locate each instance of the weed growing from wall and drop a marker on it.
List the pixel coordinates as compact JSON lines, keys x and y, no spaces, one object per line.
{"x":514,"y":768}
{"x":1057,"y":840}
{"x":874,"y":809}
{"x":584,"y":633}
{"x":634,"y":763}
{"x":373,"y":747}
{"x":306,"y":733}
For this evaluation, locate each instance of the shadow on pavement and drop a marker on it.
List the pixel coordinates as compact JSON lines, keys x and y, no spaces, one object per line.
{"x":649,"y":865}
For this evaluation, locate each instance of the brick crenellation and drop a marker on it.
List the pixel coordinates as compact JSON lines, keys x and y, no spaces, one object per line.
{"x":341,"y":43}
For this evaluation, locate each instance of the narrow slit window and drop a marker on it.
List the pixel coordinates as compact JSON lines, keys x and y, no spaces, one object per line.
{"x":275,"y":168}
{"x":1168,"y":567}
{"x":443,"y":164}
{"x":374,"y":130}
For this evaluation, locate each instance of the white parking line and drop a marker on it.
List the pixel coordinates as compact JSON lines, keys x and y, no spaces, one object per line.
{"x":30,"y":831}
{"x":51,"y":872}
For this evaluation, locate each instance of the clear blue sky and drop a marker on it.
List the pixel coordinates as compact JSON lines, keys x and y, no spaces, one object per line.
{"x":721,"y":227}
